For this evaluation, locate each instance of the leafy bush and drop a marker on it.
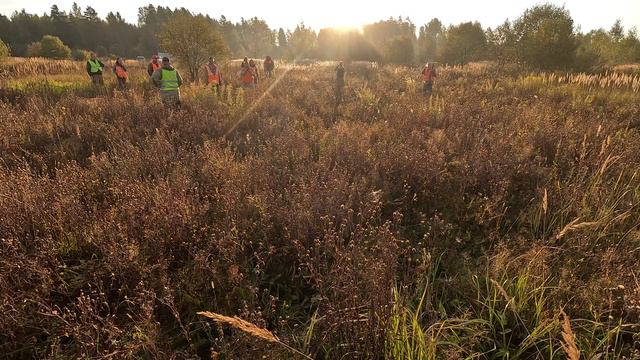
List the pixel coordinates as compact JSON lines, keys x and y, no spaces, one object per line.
{"x":49,"y":47}
{"x":80,"y":55}
{"x":4,"y":50}
{"x":34,"y":49}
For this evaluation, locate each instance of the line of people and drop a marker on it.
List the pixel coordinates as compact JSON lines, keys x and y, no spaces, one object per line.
{"x":164,"y":76}
{"x":95,"y":68}
{"x":168,"y":80}
{"x":248,"y":74}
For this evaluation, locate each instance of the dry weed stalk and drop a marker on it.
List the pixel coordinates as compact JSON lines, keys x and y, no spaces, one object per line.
{"x":249,"y":328}
{"x":243,"y":325}
{"x":569,"y":339}
{"x":574,"y":226}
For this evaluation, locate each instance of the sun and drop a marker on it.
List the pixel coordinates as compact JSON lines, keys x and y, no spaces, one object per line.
{"x":348,"y":28}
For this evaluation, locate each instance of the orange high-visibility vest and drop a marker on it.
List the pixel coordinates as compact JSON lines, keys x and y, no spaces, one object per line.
{"x":247,"y":75}
{"x":121,"y":73}
{"x":155,"y":66}
{"x":212,"y":77}
{"x":428,"y":74}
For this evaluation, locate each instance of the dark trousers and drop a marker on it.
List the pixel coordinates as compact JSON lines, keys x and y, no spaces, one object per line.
{"x":339,"y":92}
{"x":96,"y":79}
{"x":427,"y":88}
{"x":122,"y":83}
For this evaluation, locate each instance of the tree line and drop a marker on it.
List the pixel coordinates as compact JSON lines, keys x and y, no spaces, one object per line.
{"x":544,"y":36}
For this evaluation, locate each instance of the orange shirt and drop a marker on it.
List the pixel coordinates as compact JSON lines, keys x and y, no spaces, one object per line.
{"x":121,"y":72}
{"x":247,"y":75}
{"x":213,"y":75}
{"x":428,"y":74}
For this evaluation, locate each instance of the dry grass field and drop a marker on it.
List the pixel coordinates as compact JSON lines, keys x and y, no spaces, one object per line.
{"x":499,"y":219}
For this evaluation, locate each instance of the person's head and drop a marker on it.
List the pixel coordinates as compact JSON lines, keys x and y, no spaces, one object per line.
{"x":119,"y":61}
{"x":268,"y":57}
{"x":211,"y":59}
{"x":93,"y":56}
{"x":154,"y":58}
{"x":252,"y":63}
{"x":246,"y":59}
{"x":165,"y":61}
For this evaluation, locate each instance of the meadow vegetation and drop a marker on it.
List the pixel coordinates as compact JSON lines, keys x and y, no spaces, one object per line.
{"x":497,"y":219}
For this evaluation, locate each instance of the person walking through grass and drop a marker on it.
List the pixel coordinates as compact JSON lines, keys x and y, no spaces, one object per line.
{"x":153,"y":65}
{"x":121,"y":73}
{"x":428,"y":75}
{"x":268,"y":67}
{"x":214,"y":78}
{"x":94,"y":69}
{"x":246,"y":76}
{"x":168,"y":79}
{"x":339,"y":82}
{"x":254,"y":70}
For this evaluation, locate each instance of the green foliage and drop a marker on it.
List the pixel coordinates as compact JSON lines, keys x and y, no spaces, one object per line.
{"x":80,"y":55}
{"x":464,"y":43}
{"x":192,"y":40}
{"x":399,"y":50}
{"x":544,"y":37}
{"x":255,"y":36}
{"x":49,"y":47}
{"x":101,"y":51}
{"x":4,"y":50}
{"x":510,"y":318}
{"x":52,"y":47}
{"x":501,"y":44}
{"x":429,"y":39}
{"x":610,"y":47}
{"x":302,"y":42}
{"x":394,"y":40}
{"x":52,"y":89}
{"x":34,"y":49}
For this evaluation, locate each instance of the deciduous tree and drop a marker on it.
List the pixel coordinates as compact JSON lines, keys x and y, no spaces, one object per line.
{"x":192,"y":39}
{"x":544,"y":37}
{"x":464,"y":43}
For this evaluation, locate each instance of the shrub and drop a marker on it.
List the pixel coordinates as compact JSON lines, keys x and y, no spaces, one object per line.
{"x":4,"y":50}
{"x":80,"y":55}
{"x":49,"y":47}
{"x":53,"y":47}
{"x":34,"y":49}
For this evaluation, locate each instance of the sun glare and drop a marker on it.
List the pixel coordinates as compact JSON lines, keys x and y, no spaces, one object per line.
{"x":348,"y":28}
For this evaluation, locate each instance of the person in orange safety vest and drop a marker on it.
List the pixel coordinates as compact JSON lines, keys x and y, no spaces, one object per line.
{"x":254,"y":69}
{"x":214,"y":78}
{"x":153,"y":65}
{"x":268,"y":66}
{"x":428,"y":75}
{"x":247,"y":77}
{"x":121,"y":73}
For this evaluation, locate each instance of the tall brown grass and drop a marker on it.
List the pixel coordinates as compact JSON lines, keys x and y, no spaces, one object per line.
{"x":451,"y":227}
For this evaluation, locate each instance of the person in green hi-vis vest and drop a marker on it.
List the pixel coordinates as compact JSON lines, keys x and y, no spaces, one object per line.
{"x":94,"y":69}
{"x":168,"y":79}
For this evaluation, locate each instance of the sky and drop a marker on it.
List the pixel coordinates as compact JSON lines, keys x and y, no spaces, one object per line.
{"x":587,"y":14}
